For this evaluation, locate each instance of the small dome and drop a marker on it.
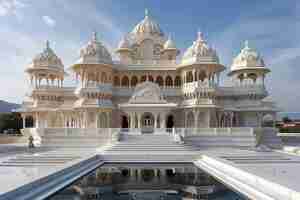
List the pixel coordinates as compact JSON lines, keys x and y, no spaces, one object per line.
{"x":94,"y":53}
{"x":124,"y":44}
{"x":47,"y":59}
{"x":200,"y":51}
{"x":248,"y":58}
{"x":169,"y":44}
{"x":147,"y":26}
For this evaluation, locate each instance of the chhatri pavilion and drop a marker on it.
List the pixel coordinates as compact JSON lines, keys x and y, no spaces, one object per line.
{"x":149,"y":87}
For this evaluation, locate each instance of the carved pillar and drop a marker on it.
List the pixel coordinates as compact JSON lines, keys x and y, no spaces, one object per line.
{"x":196,"y":115}
{"x":155,"y":120}
{"x":131,"y":120}
{"x":139,"y":120}
{"x":162,"y":118}
{"x":36,"y":120}
{"x":24,"y":121}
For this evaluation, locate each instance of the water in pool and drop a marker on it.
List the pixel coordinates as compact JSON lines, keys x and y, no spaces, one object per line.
{"x":146,"y":182}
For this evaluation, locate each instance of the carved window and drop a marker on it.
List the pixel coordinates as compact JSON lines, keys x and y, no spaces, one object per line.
{"x":135,"y":52}
{"x":157,"y":50}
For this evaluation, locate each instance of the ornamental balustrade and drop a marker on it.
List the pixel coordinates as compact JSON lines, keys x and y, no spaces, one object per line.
{"x":126,"y":91}
{"x":242,"y":90}
{"x":152,"y":62}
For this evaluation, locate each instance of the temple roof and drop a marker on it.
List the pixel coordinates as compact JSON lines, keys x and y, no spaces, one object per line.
{"x":94,"y":52}
{"x":248,"y":58}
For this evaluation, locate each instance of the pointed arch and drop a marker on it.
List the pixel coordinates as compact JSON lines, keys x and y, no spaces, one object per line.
{"x":177,"y":81}
{"x":125,"y":81}
{"x":169,"y":81}
{"x":189,"y":77}
{"x":134,"y":81}
{"x":116,"y":81}
{"x":202,"y":75}
{"x":159,"y":81}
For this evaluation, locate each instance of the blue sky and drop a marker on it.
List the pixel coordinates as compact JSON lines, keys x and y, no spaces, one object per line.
{"x":271,"y":26}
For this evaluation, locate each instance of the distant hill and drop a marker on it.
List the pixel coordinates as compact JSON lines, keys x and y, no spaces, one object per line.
{"x":291,"y":115}
{"x":7,"y":107}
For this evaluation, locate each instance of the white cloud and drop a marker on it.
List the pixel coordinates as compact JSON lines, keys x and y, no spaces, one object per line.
{"x":10,"y":7}
{"x":49,"y":21}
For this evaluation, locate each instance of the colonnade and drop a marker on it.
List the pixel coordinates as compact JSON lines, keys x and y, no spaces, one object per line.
{"x":140,"y":119}
{"x":78,"y":119}
{"x":200,"y":75}
{"x":168,"y":81}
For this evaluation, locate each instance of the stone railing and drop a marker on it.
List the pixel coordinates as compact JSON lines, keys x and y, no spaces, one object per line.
{"x":235,"y":136}
{"x":141,"y":130}
{"x":73,"y":136}
{"x":242,"y":90}
{"x":237,"y":131}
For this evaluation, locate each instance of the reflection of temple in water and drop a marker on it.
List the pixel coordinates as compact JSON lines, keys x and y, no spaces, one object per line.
{"x":146,"y":182}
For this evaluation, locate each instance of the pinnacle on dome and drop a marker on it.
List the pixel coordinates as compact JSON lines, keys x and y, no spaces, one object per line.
{"x":147,"y":26}
{"x":200,"y":51}
{"x":146,"y":12}
{"x":169,"y":44}
{"x":247,"y":58}
{"x":94,"y":52}
{"x":200,"y":37}
{"x":47,"y":58}
{"x":94,"y":36}
{"x":124,"y":43}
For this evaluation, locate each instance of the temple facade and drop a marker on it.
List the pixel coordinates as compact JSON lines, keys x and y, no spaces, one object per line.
{"x":151,"y":86}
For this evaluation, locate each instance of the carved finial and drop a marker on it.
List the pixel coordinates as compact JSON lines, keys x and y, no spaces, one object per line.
{"x":47,"y":44}
{"x":146,"y":12}
{"x":200,"y":36}
{"x":94,"y":36}
{"x":247,"y":44}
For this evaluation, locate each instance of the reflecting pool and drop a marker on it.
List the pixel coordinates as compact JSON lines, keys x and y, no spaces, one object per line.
{"x":147,"y":182}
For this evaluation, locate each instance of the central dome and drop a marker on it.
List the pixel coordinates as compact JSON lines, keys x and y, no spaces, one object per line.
{"x":147,"y":26}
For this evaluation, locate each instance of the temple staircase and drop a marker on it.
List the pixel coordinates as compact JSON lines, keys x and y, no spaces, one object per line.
{"x":149,"y":148}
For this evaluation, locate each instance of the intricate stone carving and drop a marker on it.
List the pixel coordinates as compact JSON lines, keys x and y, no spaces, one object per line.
{"x":147,"y":92}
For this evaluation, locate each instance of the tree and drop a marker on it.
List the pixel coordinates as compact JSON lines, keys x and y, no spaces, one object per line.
{"x":286,"y":119}
{"x":10,"y":121}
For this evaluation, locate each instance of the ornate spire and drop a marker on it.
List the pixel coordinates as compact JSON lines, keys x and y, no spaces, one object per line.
{"x":47,"y":44}
{"x":246,"y":44}
{"x":94,"y":36}
{"x":200,"y":36}
{"x":146,"y":12}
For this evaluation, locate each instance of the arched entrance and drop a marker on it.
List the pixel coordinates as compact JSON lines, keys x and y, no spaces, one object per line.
{"x":170,"y":123}
{"x":147,"y":123}
{"x":124,"y":122}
